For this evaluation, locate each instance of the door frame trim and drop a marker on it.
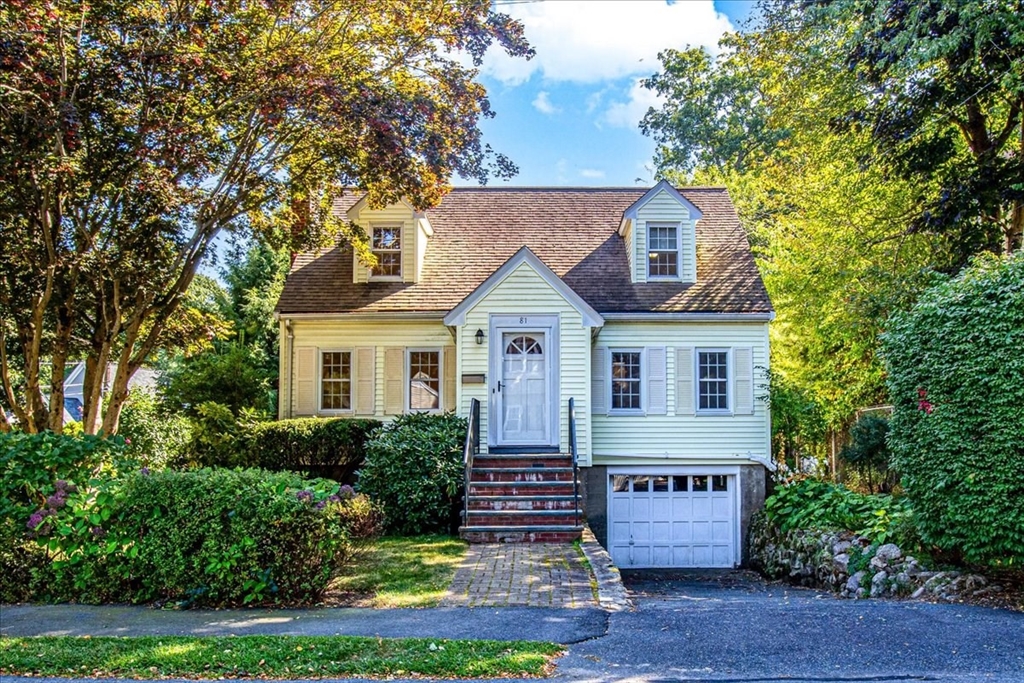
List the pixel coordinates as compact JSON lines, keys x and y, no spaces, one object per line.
{"x":549,"y":324}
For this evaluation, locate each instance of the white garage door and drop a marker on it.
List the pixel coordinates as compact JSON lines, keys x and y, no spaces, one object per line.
{"x":672,"y":520}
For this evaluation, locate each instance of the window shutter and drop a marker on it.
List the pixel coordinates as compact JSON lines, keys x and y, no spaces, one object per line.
{"x":743,"y":380}
{"x":305,"y":380}
{"x":599,"y":380}
{"x":365,"y":398}
{"x":656,"y":389}
{"x":448,"y":381}
{"x":684,"y":380}
{"x":394,"y":381}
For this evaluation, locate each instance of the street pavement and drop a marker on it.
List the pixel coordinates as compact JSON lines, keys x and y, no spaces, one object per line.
{"x":692,"y":626}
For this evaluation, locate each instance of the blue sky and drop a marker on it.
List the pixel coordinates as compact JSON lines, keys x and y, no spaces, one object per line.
{"x":569,"y":116}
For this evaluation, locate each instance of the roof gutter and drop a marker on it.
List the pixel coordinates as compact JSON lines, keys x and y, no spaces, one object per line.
{"x":761,"y":317}
{"x":374,"y":315}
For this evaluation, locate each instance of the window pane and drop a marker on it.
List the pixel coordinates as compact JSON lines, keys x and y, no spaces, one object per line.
{"x":641,"y":483}
{"x":680,"y":483}
{"x":387,"y":238}
{"x":620,"y":483}
{"x":663,"y":263}
{"x":662,"y":238}
{"x":661,"y":484}
{"x":626,"y":383}
{"x":713,"y":380}
{"x":719,"y":482}
{"x":386,"y":245}
{"x":336,"y":380}
{"x":700,"y":483}
{"x":424,"y":380}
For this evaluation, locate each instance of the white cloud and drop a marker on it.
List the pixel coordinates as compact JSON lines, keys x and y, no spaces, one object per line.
{"x":592,"y":173}
{"x":627,"y":113}
{"x":542,"y":103}
{"x":588,"y":42}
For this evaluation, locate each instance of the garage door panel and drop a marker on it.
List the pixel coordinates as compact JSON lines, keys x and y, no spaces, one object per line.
{"x":678,"y":527}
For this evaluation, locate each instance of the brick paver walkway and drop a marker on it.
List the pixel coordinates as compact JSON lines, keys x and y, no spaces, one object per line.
{"x":528,"y":574}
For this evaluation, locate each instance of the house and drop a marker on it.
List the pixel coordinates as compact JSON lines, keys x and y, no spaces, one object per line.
{"x":642,"y":306}
{"x":144,"y":379}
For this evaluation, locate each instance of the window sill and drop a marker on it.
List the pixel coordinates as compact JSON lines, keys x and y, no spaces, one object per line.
{"x":385,"y":278}
{"x":627,"y":413}
{"x":714,"y":413}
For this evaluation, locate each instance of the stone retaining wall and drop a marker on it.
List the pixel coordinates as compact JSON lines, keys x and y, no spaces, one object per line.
{"x":850,"y":565}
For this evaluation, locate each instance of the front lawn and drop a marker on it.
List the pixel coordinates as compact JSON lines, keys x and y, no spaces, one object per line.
{"x":272,"y":657}
{"x":400,"y":571}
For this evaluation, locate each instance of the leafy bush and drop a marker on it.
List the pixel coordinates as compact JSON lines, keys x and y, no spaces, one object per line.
{"x":236,"y":375}
{"x":957,"y":438}
{"x":206,"y":536}
{"x":868,"y":452}
{"x":152,"y":437}
{"x":332,"y":448}
{"x":414,"y":469}
{"x":815,"y":504}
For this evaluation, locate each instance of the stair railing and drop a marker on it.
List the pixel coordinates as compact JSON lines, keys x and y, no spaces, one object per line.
{"x":470,"y":448}
{"x":574,"y":451}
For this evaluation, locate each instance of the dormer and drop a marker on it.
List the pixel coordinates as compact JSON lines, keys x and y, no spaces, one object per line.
{"x":661,"y":236}
{"x":398,"y":237}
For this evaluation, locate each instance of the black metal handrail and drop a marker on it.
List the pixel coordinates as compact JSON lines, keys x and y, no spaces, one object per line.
{"x":469,"y":449}
{"x":574,"y":451}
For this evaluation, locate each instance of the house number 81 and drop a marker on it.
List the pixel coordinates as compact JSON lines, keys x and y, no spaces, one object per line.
{"x":522,"y":321}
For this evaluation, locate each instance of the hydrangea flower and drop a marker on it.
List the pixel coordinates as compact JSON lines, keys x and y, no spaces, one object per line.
{"x":347,"y":492}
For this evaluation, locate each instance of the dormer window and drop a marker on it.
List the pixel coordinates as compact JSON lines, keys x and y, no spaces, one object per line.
{"x":663,"y":251}
{"x":386,"y":244}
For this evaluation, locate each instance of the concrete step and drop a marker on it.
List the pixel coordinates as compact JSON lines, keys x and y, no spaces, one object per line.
{"x":522,"y":502}
{"x":526,"y":533}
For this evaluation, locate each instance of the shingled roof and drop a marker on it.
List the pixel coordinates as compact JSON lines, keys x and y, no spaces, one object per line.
{"x":572,"y":230}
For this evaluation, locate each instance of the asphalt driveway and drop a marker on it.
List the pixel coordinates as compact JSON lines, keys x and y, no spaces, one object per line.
{"x":733,"y":626}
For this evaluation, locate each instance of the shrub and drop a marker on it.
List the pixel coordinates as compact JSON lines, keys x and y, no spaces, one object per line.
{"x":957,"y":438}
{"x":206,"y":536}
{"x":235,"y":375}
{"x":152,"y":438}
{"x":868,"y":452}
{"x":414,"y":469}
{"x":332,"y":448}
{"x":814,"y":504}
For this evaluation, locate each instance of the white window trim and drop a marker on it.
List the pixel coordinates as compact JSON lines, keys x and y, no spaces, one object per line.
{"x":642,"y":410}
{"x":440,"y":378}
{"x":679,"y":251}
{"x":729,"y":399}
{"x":401,"y":253}
{"x":320,"y":382}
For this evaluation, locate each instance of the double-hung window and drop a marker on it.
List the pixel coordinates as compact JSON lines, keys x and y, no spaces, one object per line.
{"x":663,"y":251}
{"x":713,"y":380}
{"x":335,"y":381}
{"x":626,"y":380}
{"x":386,"y":244}
{"x":424,"y":380}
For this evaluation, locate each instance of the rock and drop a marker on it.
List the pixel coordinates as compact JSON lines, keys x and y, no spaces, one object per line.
{"x":842,"y":562}
{"x":878,"y":582}
{"x":862,"y":593}
{"x":918,"y":593}
{"x":853,"y":583}
{"x":889,"y":552}
{"x":902,"y":579}
{"x":878,"y":562}
{"x":841,"y":547}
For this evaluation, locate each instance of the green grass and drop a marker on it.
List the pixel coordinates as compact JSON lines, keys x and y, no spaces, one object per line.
{"x":272,"y":657}
{"x":401,"y":572}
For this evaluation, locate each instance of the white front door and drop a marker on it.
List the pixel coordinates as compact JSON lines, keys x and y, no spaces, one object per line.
{"x":523,"y":391}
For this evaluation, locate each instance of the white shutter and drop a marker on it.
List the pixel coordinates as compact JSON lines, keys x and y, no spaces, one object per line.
{"x":684,"y":380}
{"x":365,"y":398}
{"x":394,"y":381}
{"x":449,"y":379}
{"x":656,"y":378}
{"x":743,"y":380}
{"x":599,"y":380}
{"x":305,"y":380}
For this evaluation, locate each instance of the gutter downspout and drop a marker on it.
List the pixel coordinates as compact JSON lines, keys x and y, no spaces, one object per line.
{"x":287,"y":411}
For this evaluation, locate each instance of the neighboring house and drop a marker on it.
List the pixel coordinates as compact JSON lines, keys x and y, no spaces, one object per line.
{"x":144,"y":379}
{"x":643,"y":306}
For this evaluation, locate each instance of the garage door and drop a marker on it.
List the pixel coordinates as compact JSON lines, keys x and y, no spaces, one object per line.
{"x":672,"y":520}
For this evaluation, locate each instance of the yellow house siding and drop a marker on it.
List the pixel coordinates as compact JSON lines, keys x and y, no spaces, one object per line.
{"x":329,"y":335}
{"x":704,"y":437}
{"x":664,"y":208}
{"x":525,"y":293}
{"x":397,"y":214}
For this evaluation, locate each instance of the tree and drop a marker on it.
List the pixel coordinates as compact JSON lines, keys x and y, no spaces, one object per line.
{"x":134,"y":132}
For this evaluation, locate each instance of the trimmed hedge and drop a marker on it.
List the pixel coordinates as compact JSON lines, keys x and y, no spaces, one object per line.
{"x":414,"y":469}
{"x":956,"y":379}
{"x":217,"y":537}
{"x":322,"y":447}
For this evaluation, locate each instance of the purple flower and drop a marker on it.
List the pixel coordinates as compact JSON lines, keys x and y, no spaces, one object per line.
{"x":35,"y":520}
{"x":304,"y":495}
{"x":321,"y":505}
{"x":334,"y":498}
{"x":144,"y":471}
{"x":57,"y":500}
{"x":347,"y":492}
{"x":61,"y":485}
{"x":98,"y":532}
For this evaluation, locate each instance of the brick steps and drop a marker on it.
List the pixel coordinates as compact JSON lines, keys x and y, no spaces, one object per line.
{"x":521,"y":498}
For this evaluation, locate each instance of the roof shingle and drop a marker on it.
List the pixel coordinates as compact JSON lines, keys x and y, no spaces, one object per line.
{"x":573,"y":230}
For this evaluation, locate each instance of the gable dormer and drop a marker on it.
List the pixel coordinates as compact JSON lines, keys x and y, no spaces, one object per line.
{"x":661,"y":236}
{"x":398,"y":237}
